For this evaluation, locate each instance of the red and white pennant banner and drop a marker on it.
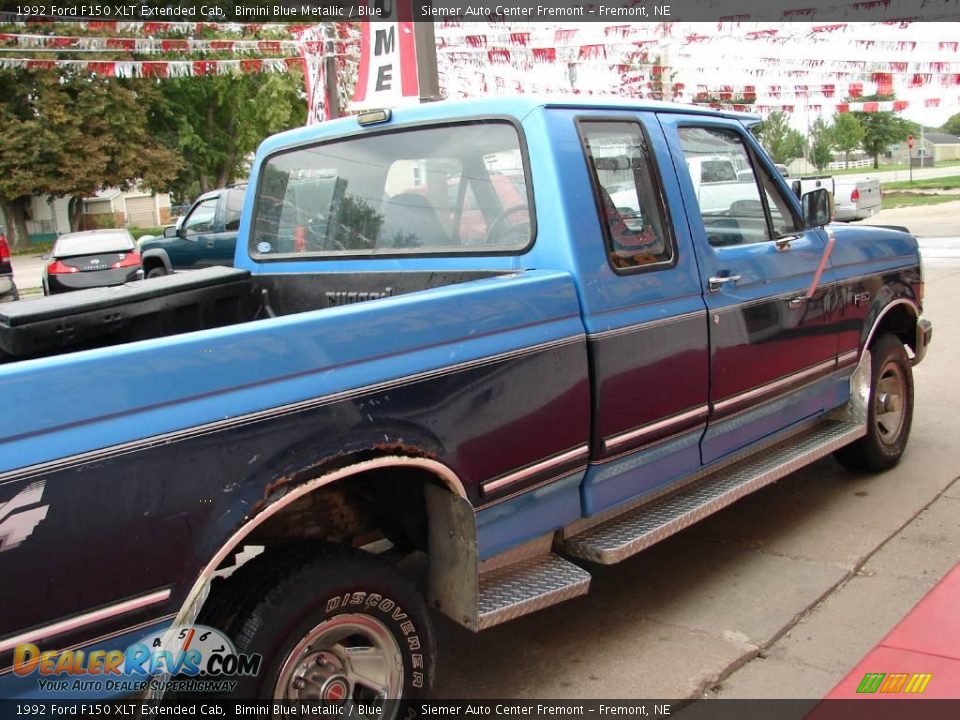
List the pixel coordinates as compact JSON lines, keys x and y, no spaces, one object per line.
{"x":160,"y":69}
{"x":153,"y":27}
{"x":88,"y":43}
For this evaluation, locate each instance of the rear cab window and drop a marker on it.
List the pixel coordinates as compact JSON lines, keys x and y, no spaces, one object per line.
{"x":440,"y":190}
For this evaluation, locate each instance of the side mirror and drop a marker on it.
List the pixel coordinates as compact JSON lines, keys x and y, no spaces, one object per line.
{"x":46,"y":256}
{"x":816,"y":208}
{"x":171,"y":231}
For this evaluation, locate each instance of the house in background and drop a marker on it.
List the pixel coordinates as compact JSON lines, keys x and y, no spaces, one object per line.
{"x":139,"y":208}
{"x":941,"y":147}
{"x":49,"y":217}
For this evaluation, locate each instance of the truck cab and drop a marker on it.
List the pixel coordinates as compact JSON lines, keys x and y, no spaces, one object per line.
{"x":206,"y":236}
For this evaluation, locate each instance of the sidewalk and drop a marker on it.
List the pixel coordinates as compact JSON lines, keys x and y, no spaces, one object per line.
{"x":830,"y":648}
{"x":920,"y":657}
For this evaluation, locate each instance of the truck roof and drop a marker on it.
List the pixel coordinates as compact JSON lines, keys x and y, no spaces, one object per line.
{"x":517,"y":106}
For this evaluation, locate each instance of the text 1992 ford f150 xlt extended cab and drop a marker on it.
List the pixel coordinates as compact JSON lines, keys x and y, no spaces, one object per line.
{"x":404,"y":365}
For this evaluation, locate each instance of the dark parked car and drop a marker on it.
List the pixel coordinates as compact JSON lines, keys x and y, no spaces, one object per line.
{"x":93,"y":258}
{"x":207,"y":235}
{"x":8,"y":288}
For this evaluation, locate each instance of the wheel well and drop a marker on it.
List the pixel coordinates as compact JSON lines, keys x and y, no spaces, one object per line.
{"x":410,"y":501}
{"x":382,"y":504}
{"x":899,"y":320}
{"x":151,"y":262}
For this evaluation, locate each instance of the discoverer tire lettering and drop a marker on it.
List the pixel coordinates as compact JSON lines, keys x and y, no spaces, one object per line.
{"x":283,"y":599}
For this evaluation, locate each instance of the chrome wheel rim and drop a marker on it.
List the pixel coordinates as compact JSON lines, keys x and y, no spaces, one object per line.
{"x":888,"y":403}
{"x":349,"y":657}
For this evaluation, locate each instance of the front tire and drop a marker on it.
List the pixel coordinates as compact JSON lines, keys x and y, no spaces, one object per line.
{"x":331,"y":624}
{"x":890,"y":413}
{"x":155,"y":272}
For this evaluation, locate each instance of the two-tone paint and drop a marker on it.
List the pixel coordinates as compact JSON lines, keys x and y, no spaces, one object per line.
{"x":549,"y":389}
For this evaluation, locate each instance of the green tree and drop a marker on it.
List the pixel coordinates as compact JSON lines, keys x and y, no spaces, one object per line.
{"x":882,"y":129}
{"x":781,"y":141}
{"x":952,"y":125}
{"x":847,"y":134}
{"x":821,"y":143}
{"x":215,"y":122}
{"x":73,"y":134}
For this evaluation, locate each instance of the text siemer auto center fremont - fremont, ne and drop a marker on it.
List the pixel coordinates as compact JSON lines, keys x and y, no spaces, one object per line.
{"x":544,"y":11}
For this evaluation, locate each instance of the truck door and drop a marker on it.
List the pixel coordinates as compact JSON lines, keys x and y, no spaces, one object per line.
{"x":770,"y":343}
{"x":642,"y":306}
{"x":190,"y":249}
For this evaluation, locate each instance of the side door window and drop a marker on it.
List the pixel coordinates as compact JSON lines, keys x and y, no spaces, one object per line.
{"x":202,"y":218}
{"x":736,"y":209}
{"x":628,"y":197}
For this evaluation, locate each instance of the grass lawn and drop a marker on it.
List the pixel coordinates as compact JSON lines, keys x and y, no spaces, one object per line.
{"x":33,"y":249}
{"x":906,"y":199}
{"x":944,"y":183}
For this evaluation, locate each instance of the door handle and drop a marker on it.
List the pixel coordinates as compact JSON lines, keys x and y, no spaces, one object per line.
{"x":783,"y":244}
{"x":715,"y":283}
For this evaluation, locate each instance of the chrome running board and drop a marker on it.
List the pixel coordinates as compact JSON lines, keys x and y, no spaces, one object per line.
{"x":526,"y":586}
{"x":627,"y":534}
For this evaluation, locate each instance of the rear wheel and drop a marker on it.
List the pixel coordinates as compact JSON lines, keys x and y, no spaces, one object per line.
{"x":156,"y":271}
{"x":331,"y":624}
{"x":890,"y":413}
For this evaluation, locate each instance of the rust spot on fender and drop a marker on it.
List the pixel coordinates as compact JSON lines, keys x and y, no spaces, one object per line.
{"x":276,"y":489}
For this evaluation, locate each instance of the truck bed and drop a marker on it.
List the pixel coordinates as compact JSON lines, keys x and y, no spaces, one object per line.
{"x":190,"y":301}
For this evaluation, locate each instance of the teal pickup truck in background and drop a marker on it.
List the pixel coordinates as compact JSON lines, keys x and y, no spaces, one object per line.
{"x":207,"y":236}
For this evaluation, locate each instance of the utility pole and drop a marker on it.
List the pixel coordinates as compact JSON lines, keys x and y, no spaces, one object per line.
{"x":923,"y":151}
{"x":910,"y":155}
{"x":428,"y":79}
{"x":330,"y":72}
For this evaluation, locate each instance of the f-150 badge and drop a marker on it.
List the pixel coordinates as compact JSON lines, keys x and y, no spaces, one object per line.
{"x":18,"y":517}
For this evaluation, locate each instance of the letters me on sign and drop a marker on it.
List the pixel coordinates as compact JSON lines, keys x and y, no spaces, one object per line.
{"x":388,"y":65}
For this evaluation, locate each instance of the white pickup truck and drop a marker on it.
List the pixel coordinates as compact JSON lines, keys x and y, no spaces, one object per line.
{"x":856,"y":199}
{"x":853,"y":198}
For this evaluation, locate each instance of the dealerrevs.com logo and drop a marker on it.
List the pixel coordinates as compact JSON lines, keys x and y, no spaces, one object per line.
{"x":199,"y":658}
{"x":891,"y":683}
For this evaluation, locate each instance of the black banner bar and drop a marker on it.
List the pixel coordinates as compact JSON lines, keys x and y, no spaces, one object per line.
{"x":866,"y":709}
{"x":547,"y":11}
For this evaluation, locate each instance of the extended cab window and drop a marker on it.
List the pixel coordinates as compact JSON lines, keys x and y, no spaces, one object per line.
{"x":627,"y":193}
{"x":440,"y":190}
{"x":233,"y":209}
{"x":734,"y":209}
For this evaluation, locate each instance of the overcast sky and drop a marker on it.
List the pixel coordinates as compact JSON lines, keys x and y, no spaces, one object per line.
{"x":787,"y":55}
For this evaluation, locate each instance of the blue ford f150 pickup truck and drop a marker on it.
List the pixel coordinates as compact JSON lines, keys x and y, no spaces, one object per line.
{"x":444,"y":346}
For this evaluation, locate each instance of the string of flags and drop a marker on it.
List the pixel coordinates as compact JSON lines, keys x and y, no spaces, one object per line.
{"x":145,"y":45}
{"x":766,"y":69}
{"x":160,"y":68}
